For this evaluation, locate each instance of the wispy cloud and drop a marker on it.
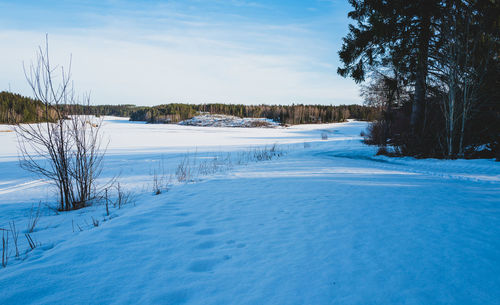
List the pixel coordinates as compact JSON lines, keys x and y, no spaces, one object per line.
{"x":166,"y":52}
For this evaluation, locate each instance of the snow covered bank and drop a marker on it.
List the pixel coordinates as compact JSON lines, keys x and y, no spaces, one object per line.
{"x":328,"y":223}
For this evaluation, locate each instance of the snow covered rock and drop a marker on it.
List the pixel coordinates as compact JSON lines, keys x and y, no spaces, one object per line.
{"x":219,"y":120}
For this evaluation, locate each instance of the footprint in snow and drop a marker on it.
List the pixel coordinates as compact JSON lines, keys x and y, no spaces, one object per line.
{"x":203,"y":265}
{"x":206,"y":245}
{"x":188,"y":223}
{"x":205,"y":232}
{"x":174,"y":297}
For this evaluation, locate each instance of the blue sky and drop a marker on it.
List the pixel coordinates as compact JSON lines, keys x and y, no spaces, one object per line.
{"x":154,"y":52}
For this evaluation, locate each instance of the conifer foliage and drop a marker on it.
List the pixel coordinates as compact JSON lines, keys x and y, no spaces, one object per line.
{"x":433,"y":65}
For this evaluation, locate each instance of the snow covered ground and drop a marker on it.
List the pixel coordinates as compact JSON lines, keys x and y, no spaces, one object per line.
{"x":327,"y":223}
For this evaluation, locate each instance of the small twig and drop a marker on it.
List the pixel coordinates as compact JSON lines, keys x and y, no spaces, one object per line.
{"x":5,"y":247}
{"x":30,"y":241}
{"x":15,"y":235}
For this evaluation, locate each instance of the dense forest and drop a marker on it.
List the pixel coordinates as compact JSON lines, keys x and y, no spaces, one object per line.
{"x":294,"y":114}
{"x":114,"y":110}
{"x":433,"y":67}
{"x":15,"y":108}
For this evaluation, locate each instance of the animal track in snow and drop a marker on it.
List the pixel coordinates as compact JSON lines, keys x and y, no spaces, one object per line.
{"x":203,"y":265}
{"x":188,"y":223}
{"x":205,"y":232}
{"x":206,"y":245}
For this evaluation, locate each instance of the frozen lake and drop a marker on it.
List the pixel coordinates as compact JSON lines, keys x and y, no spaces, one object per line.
{"x":326,"y":223}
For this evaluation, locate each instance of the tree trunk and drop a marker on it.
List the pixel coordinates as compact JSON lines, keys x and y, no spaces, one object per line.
{"x":421,"y":73}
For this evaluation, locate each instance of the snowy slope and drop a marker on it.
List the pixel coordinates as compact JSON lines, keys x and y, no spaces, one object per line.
{"x":328,"y":223}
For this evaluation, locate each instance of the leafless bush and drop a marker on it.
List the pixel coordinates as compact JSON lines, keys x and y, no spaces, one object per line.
{"x":95,"y":222}
{"x":190,"y":170}
{"x":244,"y":157}
{"x":382,"y":150}
{"x":161,"y":181}
{"x":267,"y":153}
{"x":156,"y":184}
{"x":122,"y":197}
{"x":87,"y":156}
{"x":183,"y":171}
{"x":324,"y":136}
{"x":208,"y":166}
{"x":33,"y":218}
{"x":167,"y":182}
{"x":377,"y":133}
{"x":15,"y":235}
{"x":65,"y":151}
{"x":216,"y":164}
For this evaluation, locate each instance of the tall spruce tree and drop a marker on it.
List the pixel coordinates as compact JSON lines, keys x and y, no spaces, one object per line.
{"x":393,"y":34}
{"x":445,"y":53}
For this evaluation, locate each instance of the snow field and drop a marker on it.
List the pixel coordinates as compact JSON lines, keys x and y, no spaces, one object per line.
{"x":327,"y":223}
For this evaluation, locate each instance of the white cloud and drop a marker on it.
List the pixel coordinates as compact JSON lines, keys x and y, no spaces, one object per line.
{"x":197,"y":62}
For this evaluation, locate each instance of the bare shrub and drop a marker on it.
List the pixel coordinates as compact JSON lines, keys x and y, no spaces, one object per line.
{"x":161,"y":181}
{"x":157,"y":183}
{"x":377,"y":133}
{"x":216,"y":164}
{"x":205,"y":167}
{"x":95,"y":222}
{"x":324,"y":136}
{"x":65,"y":151}
{"x":122,"y":197}
{"x":382,"y":151}
{"x":183,"y":171}
{"x":86,"y":157}
{"x":189,"y":170}
{"x":242,"y":158}
{"x":266,"y":154}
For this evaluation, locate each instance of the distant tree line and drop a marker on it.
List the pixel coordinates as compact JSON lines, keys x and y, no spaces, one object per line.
{"x":15,"y":108}
{"x":433,"y":66}
{"x":168,"y":113}
{"x":293,"y":114}
{"x":124,"y":110}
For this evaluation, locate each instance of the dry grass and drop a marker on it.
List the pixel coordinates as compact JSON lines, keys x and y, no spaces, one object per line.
{"x":189,"y":169}
{"x":5,"y":247}
{"x":34,"y":216}
{"x":15,"y":235}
